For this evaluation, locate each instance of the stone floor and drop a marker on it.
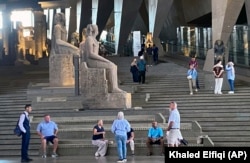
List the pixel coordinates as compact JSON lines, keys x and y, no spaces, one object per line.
{"x":88,"y":159}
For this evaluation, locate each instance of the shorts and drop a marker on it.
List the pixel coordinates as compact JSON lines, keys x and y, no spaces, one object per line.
{"x":50,"y":138}
{"x":156,"y":142}
{"x":174,"y":136}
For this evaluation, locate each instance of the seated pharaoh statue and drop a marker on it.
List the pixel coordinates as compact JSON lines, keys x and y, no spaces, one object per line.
{"x":61,"y":68}
{"x":94,"y":60}
{"x":59,"y":43}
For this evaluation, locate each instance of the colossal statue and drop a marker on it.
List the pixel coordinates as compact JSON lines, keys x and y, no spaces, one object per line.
{"x":59,"y":43}
{"x":219,"y":51}
{"x":94,"y":60}
{"x":20,"y":42}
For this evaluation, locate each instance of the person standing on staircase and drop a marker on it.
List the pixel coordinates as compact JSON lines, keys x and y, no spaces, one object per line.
{"x":24,"y":124}
{"x":218,"y":75}
{"x":142,"y":67}
{"x":230,"y":76}
{"x":119,"y":128}
{"x":98,"y":139}
{"x":191,"y":76}
{"x":194,"y":62}
{"x":174,"y":124}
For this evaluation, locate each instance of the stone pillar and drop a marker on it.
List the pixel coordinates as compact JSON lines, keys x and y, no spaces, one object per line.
{"x":61,"y":70}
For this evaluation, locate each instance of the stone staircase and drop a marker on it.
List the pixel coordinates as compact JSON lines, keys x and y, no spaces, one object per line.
{"x":224,"y":118}
{"x":219,"y":117}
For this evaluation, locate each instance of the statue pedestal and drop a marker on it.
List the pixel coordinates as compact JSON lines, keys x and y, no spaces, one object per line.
{"x":61,"y":70}
{"x":94,"y":90}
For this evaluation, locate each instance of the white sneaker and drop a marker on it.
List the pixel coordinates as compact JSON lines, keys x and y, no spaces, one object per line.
{"x":44,"y":156}
{"x":220,"y":93}
{"x":54,"y":155}
{"x":124,"y":160}
{"x":191,"y":93}
{"x":196,"y":90}
{"x":119,"y":161}
{"x":97,"y":154}
{"x":231,"y":92}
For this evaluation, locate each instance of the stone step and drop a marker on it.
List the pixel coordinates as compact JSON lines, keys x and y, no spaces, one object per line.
{"x":83,"y":150}
{"x":225,"y":123}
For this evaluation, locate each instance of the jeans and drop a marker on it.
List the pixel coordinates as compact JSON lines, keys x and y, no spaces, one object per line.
{"x":231,"y":84}
{"x":121,"y":146}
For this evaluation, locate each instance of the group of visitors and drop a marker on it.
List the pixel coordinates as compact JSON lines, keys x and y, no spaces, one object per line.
{"x":218,"y":72}
{"x":146,"y":59}
{"x":124,"y":134}
{"x":46,"y":129}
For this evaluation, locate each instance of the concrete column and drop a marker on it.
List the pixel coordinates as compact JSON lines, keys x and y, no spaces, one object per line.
{"x":72,"y":20}
{"x":163,"y":8}
{"x":94,"y":10}
{"x":224,"y":16}
{"x":130,"y":8}
{"x":152,"y":8}
{"x":247,"y":6}
{"x":118,"y":5}
{"x":105,"y":8}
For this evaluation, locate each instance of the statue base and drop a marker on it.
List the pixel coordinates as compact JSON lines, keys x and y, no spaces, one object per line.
{"x":61,"y":70}
{"x":94,"y":90}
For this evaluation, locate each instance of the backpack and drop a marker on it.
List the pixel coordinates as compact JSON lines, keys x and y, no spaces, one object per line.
{"x":17,"y":131}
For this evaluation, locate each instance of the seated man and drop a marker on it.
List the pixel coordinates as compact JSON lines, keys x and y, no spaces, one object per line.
{"x":47,"y":130}
{"x":155,"y":136}
{"x":98,"y":139}
{"x":130,"y":140}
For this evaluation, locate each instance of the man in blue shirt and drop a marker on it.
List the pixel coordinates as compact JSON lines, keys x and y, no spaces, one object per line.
{"x":155,"y":136}
{"x":47,"y":130}
{"x":174,"y":123}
